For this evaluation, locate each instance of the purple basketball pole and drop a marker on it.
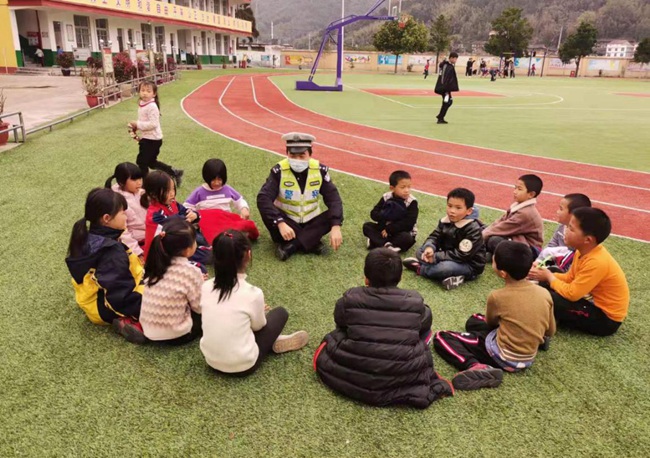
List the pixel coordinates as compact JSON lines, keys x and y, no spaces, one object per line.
{"x":337,"y":26}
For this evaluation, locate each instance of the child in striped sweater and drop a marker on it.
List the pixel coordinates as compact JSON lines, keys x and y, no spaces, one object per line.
{"x":171,"y":301}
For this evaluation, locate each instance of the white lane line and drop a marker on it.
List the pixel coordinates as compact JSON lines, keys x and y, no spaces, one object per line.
{"x":338,"y":170}
{"x":586,"y":164}
{"x":433,"y":153}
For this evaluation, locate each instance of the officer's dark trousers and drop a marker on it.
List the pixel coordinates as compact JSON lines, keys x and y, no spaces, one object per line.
{"x":445,"y":107}
{"x":308,"y":235}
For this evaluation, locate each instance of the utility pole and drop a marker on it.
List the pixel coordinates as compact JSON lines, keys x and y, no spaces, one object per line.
{"x":271,"y":31}
{"x":559,"y":40}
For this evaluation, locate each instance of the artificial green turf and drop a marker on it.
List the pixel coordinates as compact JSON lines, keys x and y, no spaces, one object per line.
{"x":70,"y":388}
{"x":579,"y":119}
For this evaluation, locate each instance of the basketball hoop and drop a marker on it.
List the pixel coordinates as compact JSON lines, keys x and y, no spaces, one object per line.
{"x":403,"y":20}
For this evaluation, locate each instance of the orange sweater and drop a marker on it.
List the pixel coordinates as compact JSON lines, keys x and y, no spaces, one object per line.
{"x":599,"y":275}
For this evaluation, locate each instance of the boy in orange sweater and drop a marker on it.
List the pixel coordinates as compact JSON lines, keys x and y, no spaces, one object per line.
{"x":593,"y":296}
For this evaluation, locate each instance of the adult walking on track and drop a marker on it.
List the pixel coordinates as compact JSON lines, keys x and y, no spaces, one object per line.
{"x":446,"y":84}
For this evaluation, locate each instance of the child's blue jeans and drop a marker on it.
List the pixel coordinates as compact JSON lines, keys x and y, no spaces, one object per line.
{"x":443,"y":269}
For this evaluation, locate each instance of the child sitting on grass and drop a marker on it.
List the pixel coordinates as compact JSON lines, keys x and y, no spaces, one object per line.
{"x":237,"y":335}
{"x":396,"y":214}
{"x":129,"y":184}
{"x":106,"y":274}
{"x":593,"y":296}
{"x":214,"y":199}
{"x":455,"y":251}
{"x":160,"y":200}
{"x":379,"y":352}
{"x":518,"y":319}
{"x":557,"y":255}
{"x":522,"y":222}
{"x":171,"y":301}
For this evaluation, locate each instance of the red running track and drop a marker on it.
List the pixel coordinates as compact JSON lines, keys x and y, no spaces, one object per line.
{"x":252,"y":110}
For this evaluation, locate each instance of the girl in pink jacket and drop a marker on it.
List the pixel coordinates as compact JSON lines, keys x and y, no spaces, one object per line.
{"x":129,"y":184}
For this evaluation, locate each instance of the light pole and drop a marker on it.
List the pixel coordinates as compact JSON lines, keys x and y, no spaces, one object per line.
{"x":74,"y":59}
{"x":163,"y":48}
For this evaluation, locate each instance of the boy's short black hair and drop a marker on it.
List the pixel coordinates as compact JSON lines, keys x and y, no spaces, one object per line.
{"x":514,"y":258}
{"x":398,"y":175}
{"x":462,"y":193}
{"x":533,"y":183}
{"x":594,"y":222}
{"x":453,"y":54}
{"x":576,"y":201}
{"x":383,"y":268}
{"x":215,"y":168}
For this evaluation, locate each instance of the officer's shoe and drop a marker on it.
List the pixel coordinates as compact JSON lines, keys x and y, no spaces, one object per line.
{"x":285,"y":250}
{"x":319,"y":249}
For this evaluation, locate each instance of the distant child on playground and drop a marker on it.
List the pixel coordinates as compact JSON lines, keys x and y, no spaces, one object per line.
{"x":522,"y":222}
{"x":160,"y":201}
{"x":129,"y":184}
{"x":214,"y":201}
{"x":454,"y":252}
{"x":593,"y":296}
{"x":426,"y":68}
{"x":518,"y":320}
{"x":151,"y":137}
{"x":556,"y":254}
{"x":396,"y":215}
{"x":106,"y":274}
{"x":171,"y":300}
{"x":379,"y":352}
{"x":237,"y":334}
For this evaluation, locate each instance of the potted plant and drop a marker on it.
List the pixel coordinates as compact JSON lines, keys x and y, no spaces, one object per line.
{"x":65,"y":60}
{"x":124,"y":72}
{"x":4,"y":137}
{"x":92,"y":86}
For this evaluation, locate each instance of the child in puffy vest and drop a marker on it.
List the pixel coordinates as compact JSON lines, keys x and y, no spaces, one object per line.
{"x":379,"y":352}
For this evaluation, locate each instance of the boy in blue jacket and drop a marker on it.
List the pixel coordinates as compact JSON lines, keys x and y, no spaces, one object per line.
{"x":455,"y":251}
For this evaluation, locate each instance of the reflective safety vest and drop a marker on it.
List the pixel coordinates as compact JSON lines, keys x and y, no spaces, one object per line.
{"x":299,"y":206}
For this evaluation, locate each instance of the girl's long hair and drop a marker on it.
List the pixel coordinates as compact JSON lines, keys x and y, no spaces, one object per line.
{"x":153,"y":86}
{"x":229,"y":255}
{"x":176,"y":236}
{"x":155,"y":186}
{"x":123,"y":172}
{"x":99,"y":202}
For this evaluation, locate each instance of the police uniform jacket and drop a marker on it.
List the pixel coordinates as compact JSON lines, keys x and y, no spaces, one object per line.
{"x":376,"y":355}
{"x":447,"y":80}
{"x":459,"y":242}
{"x":271,"y":189}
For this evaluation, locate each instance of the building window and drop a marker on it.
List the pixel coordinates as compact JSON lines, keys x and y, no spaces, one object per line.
{"x":102,"y":31}
{"x":146,"y":35}
{"x":130,"y":38}
{"x":82,"y":31}
{"x":160,"y":38}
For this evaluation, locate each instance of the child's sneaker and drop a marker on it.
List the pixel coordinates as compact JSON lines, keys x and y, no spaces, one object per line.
{"x":453,"y":282}
{"x":178,"y":174}
{"x":129,"y":329}
{"x":390,"y":246}
{"x":295,"y":341}
{"x":412,"y":264}
{"x":478,"y":376}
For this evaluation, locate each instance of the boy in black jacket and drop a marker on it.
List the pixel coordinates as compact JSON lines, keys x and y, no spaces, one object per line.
{"x":379,"y":352}
{"x":455,"y":251}
{"x":396,"y":214}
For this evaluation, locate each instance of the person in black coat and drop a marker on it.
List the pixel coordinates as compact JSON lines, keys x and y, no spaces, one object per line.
{"x":379,"y":352}
{"x":446,"y":84}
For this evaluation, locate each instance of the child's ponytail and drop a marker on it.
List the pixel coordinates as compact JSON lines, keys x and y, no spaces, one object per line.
{"x":176,"y":236}
{"x":78,"y":238}
{"x":109,"y":182}
{"x":229,"y":254}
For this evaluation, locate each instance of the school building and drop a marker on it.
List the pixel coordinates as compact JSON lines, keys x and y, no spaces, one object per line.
{"x":179,"y":28}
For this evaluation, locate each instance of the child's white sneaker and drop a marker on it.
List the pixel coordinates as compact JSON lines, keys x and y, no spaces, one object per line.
{"x":390,"y":246}
{"x":453,"y":282}
{"x":295,"y":341}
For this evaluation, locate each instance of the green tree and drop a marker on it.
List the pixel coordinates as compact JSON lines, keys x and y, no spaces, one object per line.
{"x":439,"y":36}
{"x":396,"y":40}
{"x":510,"y":33}
{"x":579,"y":44}
{"x":246,"y":13}
{"x":642,"y":53}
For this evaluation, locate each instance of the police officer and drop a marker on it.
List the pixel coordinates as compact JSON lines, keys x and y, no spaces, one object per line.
{"x":289,"y":201}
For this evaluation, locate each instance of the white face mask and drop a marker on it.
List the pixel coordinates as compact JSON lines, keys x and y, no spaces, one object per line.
{"x":298,"y":166}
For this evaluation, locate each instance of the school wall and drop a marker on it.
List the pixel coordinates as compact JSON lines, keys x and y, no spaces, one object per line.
{"x":373,"y":61}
